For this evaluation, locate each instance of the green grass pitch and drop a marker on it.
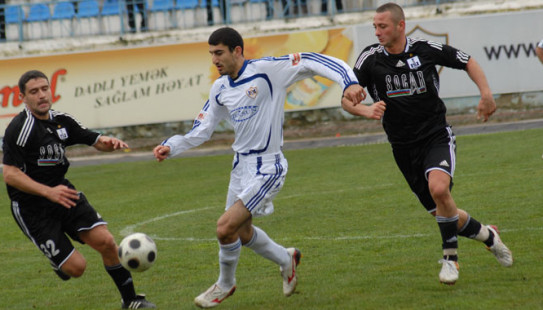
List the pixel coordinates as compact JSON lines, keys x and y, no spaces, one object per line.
{"x":367,"y":242}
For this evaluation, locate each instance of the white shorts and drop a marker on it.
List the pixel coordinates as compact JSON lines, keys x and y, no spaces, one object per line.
{"x":256,"y":180}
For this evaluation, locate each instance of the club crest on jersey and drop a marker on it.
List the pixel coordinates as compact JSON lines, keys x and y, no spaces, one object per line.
{"x":296,"y":58}
{"x":244,"y":113}
{"x":201,"y":116}
{"x":414,"y":63}
{"x":252,"y":92}
{"x":62,"y":133}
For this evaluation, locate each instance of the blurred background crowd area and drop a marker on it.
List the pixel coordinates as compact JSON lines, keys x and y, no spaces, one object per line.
{"x":28,"y":20}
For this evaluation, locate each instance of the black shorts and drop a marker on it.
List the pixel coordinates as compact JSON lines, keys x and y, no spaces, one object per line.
{"x":438,"y":152}
{"x":46,"y":224}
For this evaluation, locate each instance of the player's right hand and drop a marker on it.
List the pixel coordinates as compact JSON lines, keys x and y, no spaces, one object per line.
{"x":377,"y":110}
{"x":161,"y":152}
{"x":63,"y":195}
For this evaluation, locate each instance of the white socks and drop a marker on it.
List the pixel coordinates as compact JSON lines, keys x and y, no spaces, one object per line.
{"x":483,"y":234}
{"x":260,"y":243}
{"x":228,"y":261}
{"x":267,"y":248}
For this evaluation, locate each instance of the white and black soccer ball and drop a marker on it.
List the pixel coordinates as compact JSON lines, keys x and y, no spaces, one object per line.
{"x":137,"y":252}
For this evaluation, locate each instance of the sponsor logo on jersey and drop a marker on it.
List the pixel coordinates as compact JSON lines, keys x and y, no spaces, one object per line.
{"x":444,"y":164}
{"x":405,"y":84}
{"x":48,"y":162}
{"x":400,"y":64}
{"x":252,"y":92}
{"x":62,"y":133}
{"x":296,"y":58}
{"x":244,"y":113}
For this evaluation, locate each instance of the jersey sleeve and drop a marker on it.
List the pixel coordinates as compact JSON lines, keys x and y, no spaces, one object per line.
{"x":13,"y":154}
{"x":448,"y":56}
{"x":202,"y":129}
{"x":77,"y":133}
{"x":298,"y":66}
{"x":362,"y":64}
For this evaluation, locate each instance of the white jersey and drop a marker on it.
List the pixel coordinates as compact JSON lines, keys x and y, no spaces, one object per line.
{"x":254,"y":102}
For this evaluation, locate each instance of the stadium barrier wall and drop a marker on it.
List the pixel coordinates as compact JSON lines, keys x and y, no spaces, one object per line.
{"x":170,"y":83}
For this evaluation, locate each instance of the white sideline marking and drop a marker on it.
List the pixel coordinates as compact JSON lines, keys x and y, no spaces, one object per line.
{"x":130,"y":229}
{"x":342,"y":238}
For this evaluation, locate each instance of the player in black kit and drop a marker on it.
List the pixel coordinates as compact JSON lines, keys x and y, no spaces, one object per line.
{"x":401,"y":77}
{"x":45,"y":205}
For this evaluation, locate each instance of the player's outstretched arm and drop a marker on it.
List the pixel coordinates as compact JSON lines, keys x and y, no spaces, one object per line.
{"x":60,"y":194}
{"x":487,"y":105}
{"x":355,"y":93}
{"x":374,"y":111}
{"x":109,"y":144}
{"x":161,"y":152}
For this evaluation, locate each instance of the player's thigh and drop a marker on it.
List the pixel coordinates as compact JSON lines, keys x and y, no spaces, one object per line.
{"x":262,"y":182}
{"x":441,"y":152}
{"x":235,"y":187}
{"x":82,"y":218}
{"x":441,"y":157}
{"x":98,"y":238}
{"x":44,"y":230}
{"x":410,"y":162}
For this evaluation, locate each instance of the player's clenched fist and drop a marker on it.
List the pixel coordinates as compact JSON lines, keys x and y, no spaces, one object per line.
{"x":355,"y":93}
{"x":161,"y":152}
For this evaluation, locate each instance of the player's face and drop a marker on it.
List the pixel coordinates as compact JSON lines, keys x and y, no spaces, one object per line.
{"x":37,"y":97}
{"x":388,"y":32}
{"x":224,"y":60}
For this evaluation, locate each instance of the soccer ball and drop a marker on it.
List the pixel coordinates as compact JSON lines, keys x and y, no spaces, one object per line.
{"x":137,"y":252}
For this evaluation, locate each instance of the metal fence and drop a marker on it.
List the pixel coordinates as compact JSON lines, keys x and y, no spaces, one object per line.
{"x":77,"y":18}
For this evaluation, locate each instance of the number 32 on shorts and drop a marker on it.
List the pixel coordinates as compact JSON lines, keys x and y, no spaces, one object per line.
{"x":49,"y":248}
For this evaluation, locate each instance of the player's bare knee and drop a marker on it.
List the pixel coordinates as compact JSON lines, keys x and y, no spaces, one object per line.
{"x":75,"y":268}
{"x":439,"y":191}
{"x":225,"y":233}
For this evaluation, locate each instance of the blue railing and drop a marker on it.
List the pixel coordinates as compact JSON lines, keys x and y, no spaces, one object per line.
{"x":47,"y":20}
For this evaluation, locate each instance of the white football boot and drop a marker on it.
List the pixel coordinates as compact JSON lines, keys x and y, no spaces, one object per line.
{"x":213,"y":296}
{"x":289,"y":274}
{"x":502,"y":253}
{"x":449,"y":272}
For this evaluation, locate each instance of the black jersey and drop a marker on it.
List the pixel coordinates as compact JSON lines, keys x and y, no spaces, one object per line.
{"x":409,"y":85}
{"x":37,"y":147}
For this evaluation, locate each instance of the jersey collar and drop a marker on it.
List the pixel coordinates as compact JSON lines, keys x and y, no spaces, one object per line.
{"x":245,"y":62}
{"x":28,"y":112}
{"x":405,"y":50}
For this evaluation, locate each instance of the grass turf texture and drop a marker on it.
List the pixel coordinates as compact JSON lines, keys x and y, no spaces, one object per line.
{"x":366,"y":241}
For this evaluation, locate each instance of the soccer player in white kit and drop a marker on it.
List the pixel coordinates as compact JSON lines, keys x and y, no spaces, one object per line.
{"x":250,"y":94}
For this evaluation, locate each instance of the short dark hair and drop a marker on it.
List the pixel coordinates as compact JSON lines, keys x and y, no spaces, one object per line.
{"x":227,"y":36}
{"x":30,"y":75}
{"x":395,"y":10}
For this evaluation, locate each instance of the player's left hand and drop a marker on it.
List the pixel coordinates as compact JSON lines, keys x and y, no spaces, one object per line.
{"x":108,"y":144}
{"x":355,"y":93}
{"x":486,"y":107}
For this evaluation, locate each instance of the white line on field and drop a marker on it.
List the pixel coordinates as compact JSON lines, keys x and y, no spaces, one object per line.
{"x":340,"y":238}
{"x":130,"y":229}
